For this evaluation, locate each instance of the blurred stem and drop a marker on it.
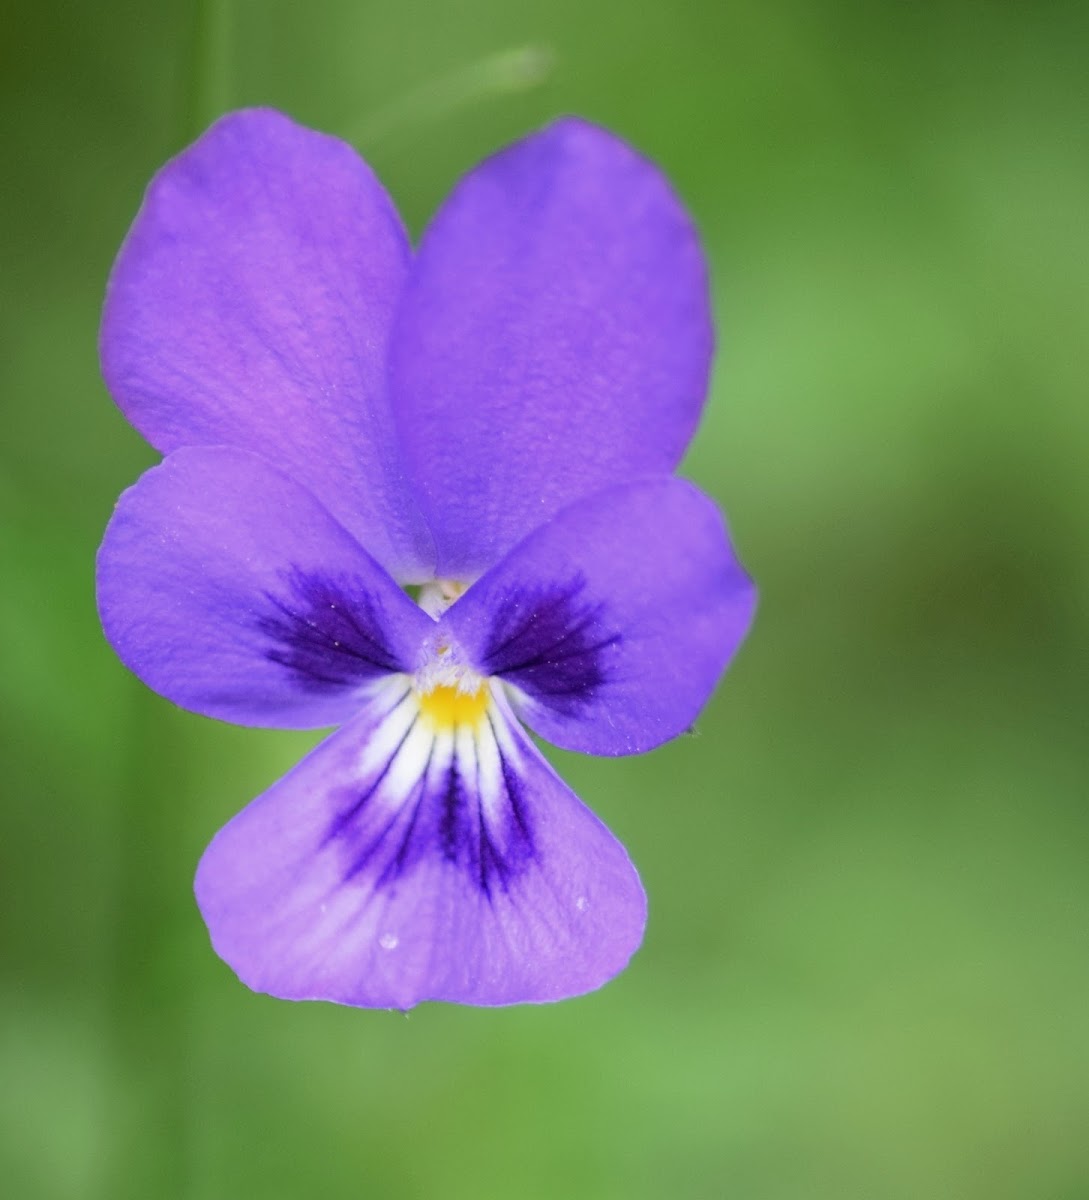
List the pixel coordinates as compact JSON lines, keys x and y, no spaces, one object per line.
{"x":150,"y":1012}
{"x":502,"y":74}
{"x":208,"y":84}
{"x":151,"y":1009}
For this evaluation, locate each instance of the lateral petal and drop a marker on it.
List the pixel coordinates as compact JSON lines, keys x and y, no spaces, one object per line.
{"x":614,"y":620}
{"x":230,"y":590}
{"x":408,"y":859}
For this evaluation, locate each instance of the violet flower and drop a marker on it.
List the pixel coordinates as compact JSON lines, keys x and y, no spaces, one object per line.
{"x":496,"y":418}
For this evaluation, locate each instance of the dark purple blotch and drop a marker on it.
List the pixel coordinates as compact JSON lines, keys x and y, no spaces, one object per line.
{"x":328,"y":631}
{"x":552,"y":642}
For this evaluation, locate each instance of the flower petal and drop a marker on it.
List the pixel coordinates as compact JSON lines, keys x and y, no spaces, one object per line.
{"x":555,"y":338}
{"x":230,"y":590}
{"x":615,"y":620}
{"x":407,"y":860}
{"x":251,"y":306}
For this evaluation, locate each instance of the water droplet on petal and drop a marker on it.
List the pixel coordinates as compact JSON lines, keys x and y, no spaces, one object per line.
{"x":388,"y":941}
{"x":582,"y":904}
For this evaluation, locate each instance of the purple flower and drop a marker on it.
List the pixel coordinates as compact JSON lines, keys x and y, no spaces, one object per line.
{"x":496,"y":418}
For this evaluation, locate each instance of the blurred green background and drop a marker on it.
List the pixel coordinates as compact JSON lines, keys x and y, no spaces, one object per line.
{"x":866,"y":972}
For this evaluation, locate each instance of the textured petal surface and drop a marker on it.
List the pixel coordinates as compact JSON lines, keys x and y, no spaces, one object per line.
{"x":230,"y":590}
{"x":411,"y":858}
{"x":614,"y":620}
{"x":555,"y":338}
{"x":251,"y":306}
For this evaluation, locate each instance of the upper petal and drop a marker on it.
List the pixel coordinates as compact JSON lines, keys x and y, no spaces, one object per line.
{"x":403,"y":861}
{"x":230,"y":590}
{"x":555,"y":337}
{"x":251,"y":306}
{"x":613,"y":621}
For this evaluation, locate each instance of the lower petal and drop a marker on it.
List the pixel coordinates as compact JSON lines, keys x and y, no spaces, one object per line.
{"x":424,"y":852}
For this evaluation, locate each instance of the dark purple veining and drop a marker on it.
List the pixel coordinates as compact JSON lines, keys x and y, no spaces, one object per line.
{"x":441,"y":817}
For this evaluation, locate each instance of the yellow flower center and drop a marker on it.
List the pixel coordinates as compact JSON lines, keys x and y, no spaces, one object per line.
{"x":447,"y":707}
